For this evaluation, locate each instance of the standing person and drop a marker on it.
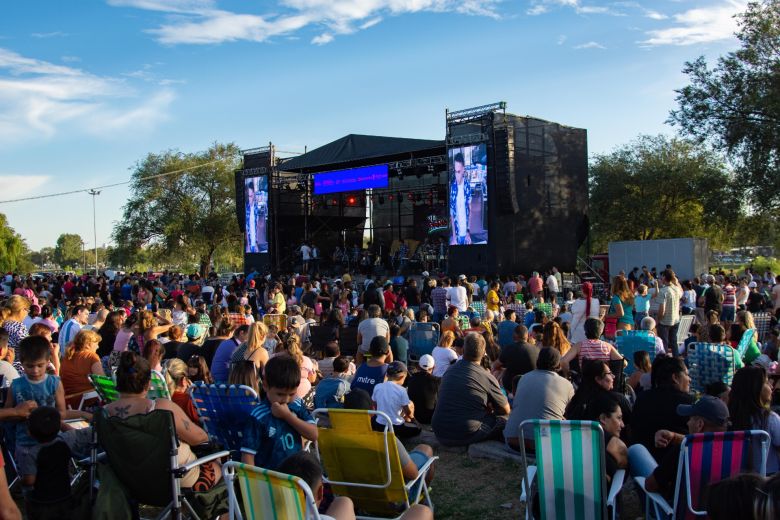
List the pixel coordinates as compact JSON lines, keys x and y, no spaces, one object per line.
{"x":69,"y":329}
{"x":252,"y":217}
{"x":776,"y":294}
{"x":669,"y":311}
{"x":460,"y":203}
{"x":439,"y":300}
{"x":315,"y":259}
{"x":729,"y":311}
{"x":552,"y":287}
{"x":584,"y":307}
{"x":457,"y":295}
{"x":471,"y":407}
{"x":535,"y":284}
{"x":622,"y":304}
{"x":305,"y":257}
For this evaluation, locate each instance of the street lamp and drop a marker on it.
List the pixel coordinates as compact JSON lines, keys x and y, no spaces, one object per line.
{"x":94,"y":193}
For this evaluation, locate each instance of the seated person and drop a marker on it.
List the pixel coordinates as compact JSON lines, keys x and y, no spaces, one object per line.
{"x":648,"y":324}
{"x":398,"y":344}
{"x":471,"y":407}
{"x":506,"y":328}
{"x":331,"y":390}
{"x":306,"y":466}
{"x":548,"y":395}
{"x":708,"y":414}
{"x":392,"y":399}
{"x":423,"y":389}
{"x":331,"y":351}
{"x":640,"y":378}
{"x":591,"y":348}
{"x":517,"y":358}
{"x":606,"y":411}
{"x":278,"y":424}
{"x":51,"y":493}
{"x":372,"y":372}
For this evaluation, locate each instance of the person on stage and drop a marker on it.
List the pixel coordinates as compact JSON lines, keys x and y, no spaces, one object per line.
{"x":252,"y":217}
{"x":460,"y":203}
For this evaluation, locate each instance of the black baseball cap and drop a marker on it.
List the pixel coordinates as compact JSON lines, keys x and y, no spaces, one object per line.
{"x":708,"y":407}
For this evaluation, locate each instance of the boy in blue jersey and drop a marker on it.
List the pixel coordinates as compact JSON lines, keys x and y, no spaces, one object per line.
{"x":277,"y":425}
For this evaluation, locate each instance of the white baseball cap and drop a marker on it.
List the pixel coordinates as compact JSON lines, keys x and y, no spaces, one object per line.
{"x":426,"y":362}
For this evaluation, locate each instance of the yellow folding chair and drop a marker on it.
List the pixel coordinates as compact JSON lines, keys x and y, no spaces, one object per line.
{"x":268,"y":495}
{"x":364,"y":465}
{"x":280,"y":320}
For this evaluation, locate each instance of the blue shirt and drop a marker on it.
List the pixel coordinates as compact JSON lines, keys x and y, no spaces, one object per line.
{"x":367,"y":377}
{"x":220,"y":365}
{"x":42,"y":392}
{"x":400,"y":347}
{"x":529,"y":318}
{"x":126,"y":291}
{"x":330,"y":393}
{"x":67,"y":332}
{"x":506,"y":330}
{"x":270,"y":439}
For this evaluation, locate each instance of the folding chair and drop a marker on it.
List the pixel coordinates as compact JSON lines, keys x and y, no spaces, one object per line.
{"x":572,"y":482}
{"x":684,"y":328}
{"x":158,"y":389}
{"x":423,"y":337}
{"x":142,"y":452}
{"x":479,"y":308}
{"x":546,"y":308}
{"x":224,"y":411}
{"x":364,"y":464}
{"x":706,"y":458}
{"x":463,"y":321}
{"x":348,"y":341}
{"x":708,"y":363}
{"x":745,"y":341}
{"x":762,"y":320}
{"x":631,"y":341}
{"x":280,"y":320}
{"x":268,"y":494}
{"x":319,"y":336}
{"x":105,"y":387}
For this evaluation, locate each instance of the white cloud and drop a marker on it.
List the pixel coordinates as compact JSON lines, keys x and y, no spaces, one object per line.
{"x":16,"y":186}
{"x":53,"y":34}
{"x":37,"y":98}
{"x":70,"y":59}
{"x":701,"y":25}
{"x":562,"y":39}
{"x":589,"y":45}
{"x":203,"y":22}
{"x":543,"y":6}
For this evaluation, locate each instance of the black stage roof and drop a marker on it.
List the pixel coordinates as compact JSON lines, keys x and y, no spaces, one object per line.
{"x":360,"y":150}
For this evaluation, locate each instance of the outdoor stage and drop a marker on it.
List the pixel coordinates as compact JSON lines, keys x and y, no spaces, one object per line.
{"x":518,"y":186}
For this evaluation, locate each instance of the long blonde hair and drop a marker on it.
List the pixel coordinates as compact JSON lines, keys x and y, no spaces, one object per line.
{"x":80,"y":342}
{"x":447,"y":339}
{"x":292,"y":346}
{"x":15,"y":307}
{"x":257,"y":333}
{"x":175,"y":373}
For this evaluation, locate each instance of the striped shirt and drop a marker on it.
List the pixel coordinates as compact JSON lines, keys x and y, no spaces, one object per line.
{"x":729,"y":296}
{"x":595,"y":349}
{"x":68,"y":331}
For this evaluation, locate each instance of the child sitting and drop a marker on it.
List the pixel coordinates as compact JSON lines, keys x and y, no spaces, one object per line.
{"x":277,"y":425}
{"x":392,"y":399}
{"x":331,"y":390}
{"x":44,"y":390}
{"x":306,"y":466}
{"x":271,"y":339}
{"x":640,"y":379}
{"x":325,"y":365}
{"x":50,"y":496}
{"x":372,"y":372}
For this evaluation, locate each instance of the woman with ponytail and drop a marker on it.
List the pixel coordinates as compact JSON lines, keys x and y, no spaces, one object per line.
{"x":132,"y":382}
{"x":584,"y":307}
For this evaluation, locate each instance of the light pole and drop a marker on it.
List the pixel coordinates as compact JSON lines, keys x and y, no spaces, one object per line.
{"x":94,"y":193}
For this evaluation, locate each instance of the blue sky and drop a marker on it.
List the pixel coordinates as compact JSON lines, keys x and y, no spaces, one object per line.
{"x":87,"y":88}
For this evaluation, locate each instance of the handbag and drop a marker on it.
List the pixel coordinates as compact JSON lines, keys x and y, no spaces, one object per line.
{"x":610,"y":324}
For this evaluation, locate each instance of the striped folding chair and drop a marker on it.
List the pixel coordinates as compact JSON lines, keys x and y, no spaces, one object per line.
{"x":708,"y":363}
{"x":706,"y":458}
{"x":463,"y":321}
{"x":268,"y":494}
{"x":158,"y":389}
{"x":631,"y":341}
{"x":479,"y":308}
{"x":546,"y":308}
{"x":745,"y":341}
{"x":684,"y":328}
{"x":105,"y":387}
{"x":762,"y":320}
{"x":224,"y":411}
{"x":423,"y":337}
{"x":572,"y":482}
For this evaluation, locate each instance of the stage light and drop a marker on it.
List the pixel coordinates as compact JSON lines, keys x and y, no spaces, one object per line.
{"x":391,"y":197}
{"x":351,"y":200}
{"x":335,"y":202}
{"x":410,"y":196}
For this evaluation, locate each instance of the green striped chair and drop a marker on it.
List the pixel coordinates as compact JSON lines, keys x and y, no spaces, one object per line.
{"x":105,"y":387}
{"x":572,"y":482}
{"x":267,"y":494}
{"x":158,"y":389}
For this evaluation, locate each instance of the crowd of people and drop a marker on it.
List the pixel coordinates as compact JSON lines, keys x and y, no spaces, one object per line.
{"x":510,"y":349}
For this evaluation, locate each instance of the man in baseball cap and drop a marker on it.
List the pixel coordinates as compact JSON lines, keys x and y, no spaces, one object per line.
{"x":708,"y":414}
{"x":423,"y":389}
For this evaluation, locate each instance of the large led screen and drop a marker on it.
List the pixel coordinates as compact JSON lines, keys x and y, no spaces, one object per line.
{"x":353,"y":179}
{"x":468,"y":196}
{"x":256,"y":205}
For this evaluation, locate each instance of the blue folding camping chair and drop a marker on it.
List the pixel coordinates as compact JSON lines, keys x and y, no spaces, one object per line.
{"x":423,"y":337}
{"x":224,"y":411}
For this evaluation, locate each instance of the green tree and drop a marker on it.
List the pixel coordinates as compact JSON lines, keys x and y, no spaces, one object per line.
{"x":183,"y":218}
{"x":68,"y":252}
{"x":735,"y":106}
{"x":42,"y":257}
{"x":657,"y":187}
{"x":13,"y":250}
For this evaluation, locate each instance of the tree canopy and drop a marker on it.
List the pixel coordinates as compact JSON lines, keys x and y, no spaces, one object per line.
{"x":13,"y":250}
{"x":659,"y":187}
{"x":735,"y":106}
{"x":184,"y":218}
{"x":68,"y":251}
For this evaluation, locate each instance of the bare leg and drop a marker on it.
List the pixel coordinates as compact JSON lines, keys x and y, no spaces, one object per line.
{"x":418,"y":512}
{"x":342,"y":509}
{"x":428,"y":451}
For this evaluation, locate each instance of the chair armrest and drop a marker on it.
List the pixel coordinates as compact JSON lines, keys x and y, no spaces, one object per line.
{"x":617,"y":485}
{"x":655,"y":497}
{"x":421,"y":473}
{"x":530,"y":474}
{"x":204,"y":460}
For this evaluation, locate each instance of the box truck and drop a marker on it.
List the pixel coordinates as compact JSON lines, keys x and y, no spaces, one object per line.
{"x":688,"y":257}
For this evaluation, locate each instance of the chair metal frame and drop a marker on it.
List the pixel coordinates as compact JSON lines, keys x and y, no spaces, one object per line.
{"x":609,"y":494}
{"x":321,"y":416}
{"x":662,"y":509}
{"x":208,"y":420}
{"x":694,"y":369}
{"x":684,"y":328}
